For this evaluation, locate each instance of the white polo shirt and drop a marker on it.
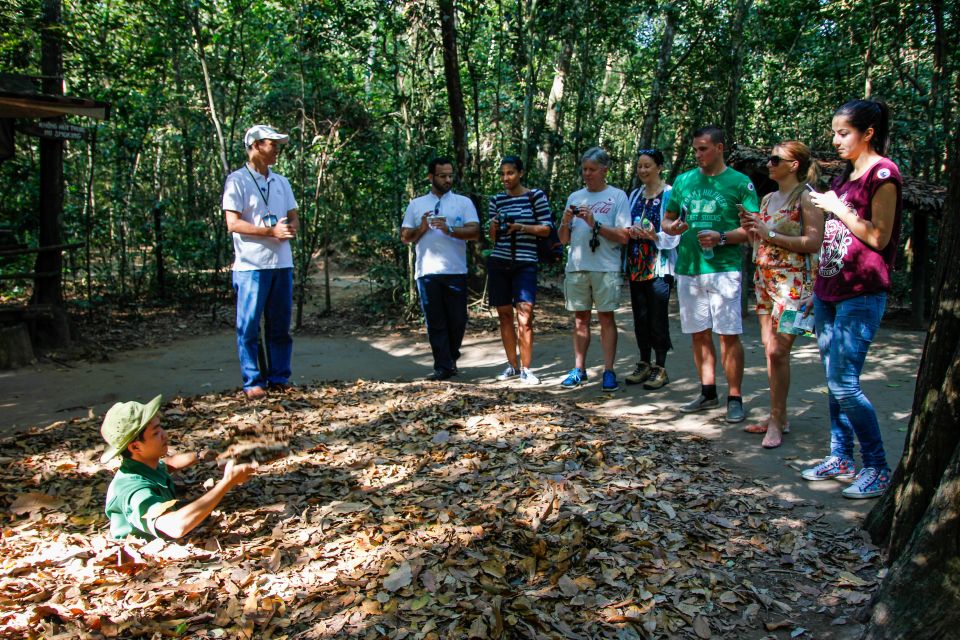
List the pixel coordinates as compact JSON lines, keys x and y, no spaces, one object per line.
{"x":249,"y":193}
{"x":438,"y":253}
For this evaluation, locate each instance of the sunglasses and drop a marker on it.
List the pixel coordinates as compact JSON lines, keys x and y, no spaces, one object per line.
{"x":776,"y":160}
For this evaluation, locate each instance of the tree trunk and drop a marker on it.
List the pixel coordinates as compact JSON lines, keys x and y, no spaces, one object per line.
{"x":158,"y":207}
{"x":868,"y":55}
{"x":529,"y":47}
{"x":660,"y":77}
{"x":54,"y":330}
{"x":918,"y":519}
{"x":554,"y":115}
{"x":736,"y":65}
{"x":451,"y":72}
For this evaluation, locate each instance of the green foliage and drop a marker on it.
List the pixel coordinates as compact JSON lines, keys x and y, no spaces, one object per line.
{"x":360,"y":88}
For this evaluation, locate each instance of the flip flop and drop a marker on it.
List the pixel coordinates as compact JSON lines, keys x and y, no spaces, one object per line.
{"x":773,"y":446}
{"x":762,"y":428}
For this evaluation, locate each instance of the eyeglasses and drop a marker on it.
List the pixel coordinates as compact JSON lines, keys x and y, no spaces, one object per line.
{"x":776,"y":160}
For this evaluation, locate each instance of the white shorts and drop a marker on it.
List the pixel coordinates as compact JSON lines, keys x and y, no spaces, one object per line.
{"x":710,"y":301}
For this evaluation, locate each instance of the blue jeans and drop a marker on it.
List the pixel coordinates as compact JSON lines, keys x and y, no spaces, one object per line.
{"x":443,"y":298}
{"x":267,"y":292}
{"x":845,"y":330}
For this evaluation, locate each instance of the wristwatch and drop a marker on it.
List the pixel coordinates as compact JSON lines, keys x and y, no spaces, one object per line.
{"x":723,"y":239}
{"x":771,"y":234}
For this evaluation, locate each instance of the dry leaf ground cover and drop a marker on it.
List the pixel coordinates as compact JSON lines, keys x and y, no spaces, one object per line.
{"x":424,"y":511}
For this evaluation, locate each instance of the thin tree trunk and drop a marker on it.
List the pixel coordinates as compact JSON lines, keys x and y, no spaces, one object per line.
{"x":208,"y":86}
{"x":529,"y":36}
{"x":89,"y":207}
{"x":868,"y":55}
{"x":736,"y":66}
{"x":158,"y":208}
{"x":661,"y":75}
{"x":554,"y":117}
{"x":451,"y":72}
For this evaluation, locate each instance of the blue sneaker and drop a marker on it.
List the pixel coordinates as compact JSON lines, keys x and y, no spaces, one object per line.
{"x":830,"y":468}
{"x":575,"y":378}
{"x":870,"y":483}
{"x":610,"y":383}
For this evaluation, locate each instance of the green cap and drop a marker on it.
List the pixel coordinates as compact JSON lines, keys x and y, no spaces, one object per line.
{"x":124,"y":422}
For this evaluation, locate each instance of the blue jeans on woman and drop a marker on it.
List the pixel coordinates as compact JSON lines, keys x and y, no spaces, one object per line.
{"x":845,"y":330}
{"x":266,"y":292}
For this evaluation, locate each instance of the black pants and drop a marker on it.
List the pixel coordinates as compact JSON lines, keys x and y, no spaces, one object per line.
{"x":650,"y":301}
{"x":443,"y":298}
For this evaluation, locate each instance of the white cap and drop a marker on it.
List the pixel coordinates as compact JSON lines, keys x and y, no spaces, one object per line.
{"x":263,"y":132}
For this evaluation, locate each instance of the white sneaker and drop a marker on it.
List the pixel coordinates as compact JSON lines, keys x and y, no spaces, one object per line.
{"x":508,"y":373}
{"x":527,"y":377}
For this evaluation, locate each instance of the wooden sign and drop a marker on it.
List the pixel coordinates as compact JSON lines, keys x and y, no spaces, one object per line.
{"x":53,"y":130}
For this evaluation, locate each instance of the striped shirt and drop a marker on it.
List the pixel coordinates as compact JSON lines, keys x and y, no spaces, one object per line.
{"x":530,"y":208}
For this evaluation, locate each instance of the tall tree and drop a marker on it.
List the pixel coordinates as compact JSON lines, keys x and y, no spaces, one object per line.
{"x":451,"y":72}
{"x":671,"y":13}
{"x":734,"y":79}
{"x":53,"y":330}
{"x":918,"y":520}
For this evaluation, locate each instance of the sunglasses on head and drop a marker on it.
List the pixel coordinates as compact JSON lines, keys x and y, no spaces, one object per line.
{"x":776,"y":160}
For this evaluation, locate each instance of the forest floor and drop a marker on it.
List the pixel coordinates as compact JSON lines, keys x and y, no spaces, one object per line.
{"x":389,"y":507}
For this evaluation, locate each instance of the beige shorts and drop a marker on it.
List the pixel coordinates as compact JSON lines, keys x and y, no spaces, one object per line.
{"x":585,"y":290}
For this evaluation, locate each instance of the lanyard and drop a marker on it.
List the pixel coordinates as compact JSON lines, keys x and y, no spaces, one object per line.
{"x":266,"y":199}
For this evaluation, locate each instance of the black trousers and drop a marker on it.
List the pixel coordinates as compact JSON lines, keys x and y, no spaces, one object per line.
{"x":650,"y":301}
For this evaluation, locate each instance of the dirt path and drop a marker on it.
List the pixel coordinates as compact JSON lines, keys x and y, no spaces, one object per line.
{"x":48,"y":393}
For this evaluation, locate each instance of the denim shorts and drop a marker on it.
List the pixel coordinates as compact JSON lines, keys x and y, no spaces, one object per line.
{"x":511,"y":285}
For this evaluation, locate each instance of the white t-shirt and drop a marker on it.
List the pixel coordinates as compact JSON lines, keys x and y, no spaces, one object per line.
{"x":611,"y":208}
{"x":248,"y":192}
{"x":436,"y":251}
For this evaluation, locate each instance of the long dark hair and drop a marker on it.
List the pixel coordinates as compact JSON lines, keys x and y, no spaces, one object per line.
{"x":863,"y":115}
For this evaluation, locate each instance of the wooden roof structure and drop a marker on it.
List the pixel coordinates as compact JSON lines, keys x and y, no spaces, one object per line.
{"x":918,"y":196}
{"x":20,"y":98}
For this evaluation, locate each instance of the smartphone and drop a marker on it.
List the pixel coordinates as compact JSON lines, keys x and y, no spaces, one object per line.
{"x":810,"y":188}
{"x":683,"y":213}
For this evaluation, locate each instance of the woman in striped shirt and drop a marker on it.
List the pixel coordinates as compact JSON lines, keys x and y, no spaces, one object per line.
{"x":517,"y":217}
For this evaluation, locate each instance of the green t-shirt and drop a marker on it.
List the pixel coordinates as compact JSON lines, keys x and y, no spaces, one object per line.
{"x":711,"y":203}
{"x":137,"y":496}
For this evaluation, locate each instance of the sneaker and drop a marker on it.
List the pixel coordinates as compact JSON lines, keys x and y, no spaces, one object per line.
{"x":829,"y":468}
{"x":527,"y":377}
{"x":735,"y":412}
{"x":575,"y":378}
{"x":640,"y":374}
{"x":610,"y":383}
{"x":508,"y":373}
{"x":439,"y":375}
{"x":870,"y":483}
{"x":699,"y":403}
{"x":657,"y":378}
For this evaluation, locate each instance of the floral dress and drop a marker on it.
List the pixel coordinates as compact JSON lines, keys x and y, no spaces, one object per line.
{"x":781,"y":277}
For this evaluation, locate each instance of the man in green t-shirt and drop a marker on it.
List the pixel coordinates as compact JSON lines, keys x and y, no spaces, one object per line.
{"x":705,"y":203}
{"x":141,"y":499}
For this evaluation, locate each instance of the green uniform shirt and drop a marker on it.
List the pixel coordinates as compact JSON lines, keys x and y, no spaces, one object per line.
{"x":137,"y":496}
{"x":711,"y":203}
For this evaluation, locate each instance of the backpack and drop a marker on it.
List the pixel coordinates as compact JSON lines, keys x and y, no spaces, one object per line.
{"x":549,"y":248}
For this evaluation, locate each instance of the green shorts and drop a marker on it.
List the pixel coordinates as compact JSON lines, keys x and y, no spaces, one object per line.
{"x":585,"y":290}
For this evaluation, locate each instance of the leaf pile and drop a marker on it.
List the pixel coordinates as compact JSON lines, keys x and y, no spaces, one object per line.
{"x":423,"y":511}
